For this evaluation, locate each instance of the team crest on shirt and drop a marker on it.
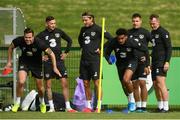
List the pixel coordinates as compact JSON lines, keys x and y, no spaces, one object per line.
{"x":34,"y":49}
{"x":157,"y":36}
{"x":57,"y":35}
{"x":93,"y":33}
{"x":131,"y":36}
{"x":141,"y":36}
{"x":47,"y":37}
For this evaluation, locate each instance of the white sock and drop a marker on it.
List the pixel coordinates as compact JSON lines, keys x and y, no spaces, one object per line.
{"x":88,"y":104}
{"x":51,"y":104}
{"x":131,"y":97}
{"x":100,"y":104}
{"x":41,"y":100}
{"x":68,"y":105}
{"x":166,"y":105}
{"x":160,"y":104}
{"x":18,"y":100}
{"x":138,"y":104}
{"x":143,"y":104}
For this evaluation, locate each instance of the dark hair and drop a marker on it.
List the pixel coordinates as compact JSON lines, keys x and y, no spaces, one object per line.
{"x":88,"y":14}
{"x":153,"y":16}
{"x":49,"y":18}
{"x":121,"y":31}
{"x":28,"y":30}
{"x":136,"y":15}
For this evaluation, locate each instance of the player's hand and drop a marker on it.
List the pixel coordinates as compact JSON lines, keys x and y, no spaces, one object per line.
{"x":112,"y":59}
{"x":57,"y":71}
{"x":63,"y":56}
{"x":98,"y":51}
{"x":166,"y":67}
{"x":147,"y":70}
{"x":45,"y":58}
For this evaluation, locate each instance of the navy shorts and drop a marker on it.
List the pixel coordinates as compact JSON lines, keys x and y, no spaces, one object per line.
{"x":158,"y":71}
{"x":49,"y":73}
{"x":132,"y":65}
{"x":89,"y":70}
{"x":139,"y":73}
{"x":36,"y":70}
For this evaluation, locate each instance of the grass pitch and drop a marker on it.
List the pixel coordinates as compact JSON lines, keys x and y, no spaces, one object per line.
{"x":80,"y":115}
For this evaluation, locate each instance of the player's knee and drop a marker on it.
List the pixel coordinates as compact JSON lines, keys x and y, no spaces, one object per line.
{"x":86,"y":84}
{"x":41,"y":89}
{"x":20,"y":84}
{"x":126,"y":80}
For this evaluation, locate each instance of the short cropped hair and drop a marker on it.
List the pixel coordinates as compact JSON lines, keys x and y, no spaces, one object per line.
{"x":121,"y":31}
{"x":153,"y":16}
{"x":49,"y":18}
{"x":136,"y":15}
{"x":28,"y":30}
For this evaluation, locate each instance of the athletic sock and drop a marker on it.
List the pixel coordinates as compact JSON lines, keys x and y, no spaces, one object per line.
{"x":68,"y":105}
{"x":143,"y":104}
{"x":41,"y":100}
{"x":51,"y":104}
{"x":131,"y":97}
{"x":165,"y":105}
{"x":160,"y":105}
{"x":138,"y":104}
{"x":88,"y":104}
{"x":18,"y":100}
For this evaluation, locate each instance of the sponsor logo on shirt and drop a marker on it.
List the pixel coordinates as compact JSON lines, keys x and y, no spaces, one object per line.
{"x":87,"y":40}
{"x":29,"y":53}
{"x":123,"y":55}
{"x":131,"y":36}
{"x":136,"y":39}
